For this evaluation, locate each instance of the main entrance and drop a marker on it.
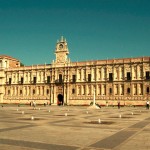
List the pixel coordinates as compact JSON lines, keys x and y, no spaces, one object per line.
{"x":60,"y":99}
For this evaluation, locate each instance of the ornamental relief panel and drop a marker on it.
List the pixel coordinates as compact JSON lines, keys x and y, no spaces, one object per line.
{"x":60,"y":72}
{"x":127,"y":69}
{"x":109,"y":70}
{"x":146,"y":68}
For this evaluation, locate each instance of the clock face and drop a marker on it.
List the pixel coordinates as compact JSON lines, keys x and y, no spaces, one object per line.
{"x":61,"y":46}
{"x":60,"y":58}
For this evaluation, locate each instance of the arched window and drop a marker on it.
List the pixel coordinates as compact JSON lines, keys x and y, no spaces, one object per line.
{"x":110,"y":90}
{"x":8,"y":92}
{"x":128,"y":90}
{"x":73,"y":91}
{"x":20,"y":92}
{"x":47,"y":91}
{"x":147,"y":90}
{"x":33,"y":91}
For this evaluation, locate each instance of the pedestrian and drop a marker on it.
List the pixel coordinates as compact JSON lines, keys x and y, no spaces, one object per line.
{"x":147,"y":104}
{"x":34,"y":104}
{"x":119,"y":105}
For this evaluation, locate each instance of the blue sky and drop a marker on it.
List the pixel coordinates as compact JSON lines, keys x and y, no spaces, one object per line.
{"x":94,"y":29}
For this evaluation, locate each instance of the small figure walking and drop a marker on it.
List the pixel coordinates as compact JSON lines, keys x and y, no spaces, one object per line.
{"x":30,"y":103}
{"x":34,"y":104}
{"x":119,"y":105}
{"x":147,"y":104}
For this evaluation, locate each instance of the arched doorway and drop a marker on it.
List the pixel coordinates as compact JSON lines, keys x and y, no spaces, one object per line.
{"x":60,"y":99}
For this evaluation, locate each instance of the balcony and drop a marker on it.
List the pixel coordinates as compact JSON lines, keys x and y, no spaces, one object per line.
{"x":72,"y":81}
{"x":58,"y":82}
{"x":127,"y":78}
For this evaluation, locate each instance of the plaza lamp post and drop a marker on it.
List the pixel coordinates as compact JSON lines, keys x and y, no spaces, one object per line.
{"x":94,"y":97}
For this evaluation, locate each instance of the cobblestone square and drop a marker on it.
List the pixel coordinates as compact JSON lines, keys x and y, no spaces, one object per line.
{"x":74,"y":128}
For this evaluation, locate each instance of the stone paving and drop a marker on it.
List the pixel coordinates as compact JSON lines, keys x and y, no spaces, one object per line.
{"x":74,"y":128}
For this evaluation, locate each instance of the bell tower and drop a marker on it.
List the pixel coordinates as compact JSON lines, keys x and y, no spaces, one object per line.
{"x":61,"y":51}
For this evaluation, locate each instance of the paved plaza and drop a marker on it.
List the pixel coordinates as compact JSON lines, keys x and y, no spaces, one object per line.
{"x":74,"y":128}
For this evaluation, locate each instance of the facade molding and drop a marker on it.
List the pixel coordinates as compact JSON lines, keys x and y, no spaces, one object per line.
{"x":125,"y":79}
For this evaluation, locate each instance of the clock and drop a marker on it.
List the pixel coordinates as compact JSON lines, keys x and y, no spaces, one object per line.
{"x":60,"y":58}
{"x":60,"y":46}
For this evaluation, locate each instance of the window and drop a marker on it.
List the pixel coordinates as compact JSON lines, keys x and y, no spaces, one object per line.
{"x":21,"y":80}
{"x":89,"y":77}
{"x":60,"y":77}
{"x":73,"y":78}
{"x":147,"y":90}
{"x":47,"y":91}
{"x":9,"y":80}
{"x":147,"y":75}
{"x":33,"y":91}
{"x":34,"y":80}
{"x":73,"y":91}
{"x":20,"y":92}
{"x":110,"y":90}
{"x":48,"y":79}
{"x":110,"y":77}
{"x":8,"y":92}
{"x":128,"y":90}
{"x":128,"y":76}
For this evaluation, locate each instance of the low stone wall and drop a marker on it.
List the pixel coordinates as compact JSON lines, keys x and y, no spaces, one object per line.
{"x":26,"y":102}
{"x":82,"y":102}
{"x":109,"y":102}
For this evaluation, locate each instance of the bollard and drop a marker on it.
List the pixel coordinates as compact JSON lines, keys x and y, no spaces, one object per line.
{"x":32,"y":118}
{"x":99,"y":120}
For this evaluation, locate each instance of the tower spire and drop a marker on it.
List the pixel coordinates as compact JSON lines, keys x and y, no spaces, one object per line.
{"x":61,"y":51}
{"x":62,"y":39}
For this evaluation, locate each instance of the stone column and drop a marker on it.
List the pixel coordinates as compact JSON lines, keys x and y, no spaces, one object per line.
{"x":86,"y":90}
{"x":102,"y":73}
{"x":131,"y":89}
{"x":132,"y":72}
{"x":81,"y":75}
{"x":52,"y":95}
{"x":97,"y":74}
{"x":144,"y":89}
{"x":55,"y":96}
{"x":125,"y":90}
{"x":67,"y":94}
{"x":138,"y":72}
{"x":119,"y":90}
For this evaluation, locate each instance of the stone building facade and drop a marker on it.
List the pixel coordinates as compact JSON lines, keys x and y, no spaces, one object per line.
{"x":74,"y":83}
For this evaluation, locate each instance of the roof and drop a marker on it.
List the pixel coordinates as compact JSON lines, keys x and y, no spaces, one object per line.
{"x":8,"y":57}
